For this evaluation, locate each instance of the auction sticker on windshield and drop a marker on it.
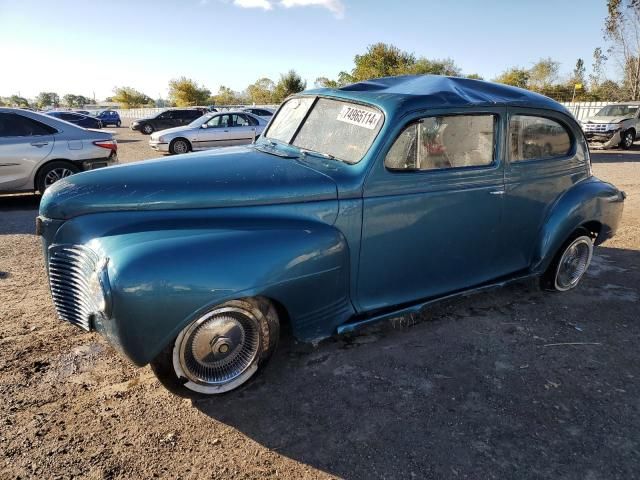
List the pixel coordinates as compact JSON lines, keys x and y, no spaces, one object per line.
{"x":359,"y":116}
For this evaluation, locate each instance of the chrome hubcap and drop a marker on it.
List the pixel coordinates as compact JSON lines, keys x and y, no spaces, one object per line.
{"x":147,"y":129}
{"x":180,"y":147}
{"x":56,"y":174}
{"x":628,"y":140}
{"x":217,"y":351}
{"x":574,"y":263}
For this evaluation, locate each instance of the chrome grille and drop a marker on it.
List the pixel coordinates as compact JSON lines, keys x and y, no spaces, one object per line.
{"x":70,"y":267}
{"x":595,"y":127}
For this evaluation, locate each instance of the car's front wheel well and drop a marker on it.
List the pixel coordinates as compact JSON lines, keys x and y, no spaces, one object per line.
{"x":593,"y":229}
{"x":173,"y":142}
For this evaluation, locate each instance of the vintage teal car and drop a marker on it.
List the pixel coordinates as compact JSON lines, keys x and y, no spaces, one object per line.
{"x":357,"y":204}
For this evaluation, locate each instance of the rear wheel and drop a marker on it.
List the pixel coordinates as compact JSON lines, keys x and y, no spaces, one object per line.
{"x":118,"y":124}
{"x":569,"y":264}
{"x":221,"y":350}
{"x":179,"y":145}
{"x":51,"y":172}
{"x":147,"y":129}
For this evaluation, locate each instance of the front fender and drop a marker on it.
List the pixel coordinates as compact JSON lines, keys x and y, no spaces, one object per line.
{"x":163,"y":278}
{"x":591,"y":200}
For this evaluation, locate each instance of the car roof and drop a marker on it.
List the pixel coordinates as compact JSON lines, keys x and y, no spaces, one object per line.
{"x":436,"y":91}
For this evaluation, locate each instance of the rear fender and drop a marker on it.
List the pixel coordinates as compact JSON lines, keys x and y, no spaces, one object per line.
{"x":588,"y":201}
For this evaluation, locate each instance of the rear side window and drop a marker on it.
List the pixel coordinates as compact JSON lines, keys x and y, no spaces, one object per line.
{"x":13,"y":125}
{"x":537,"y":138}
{"x":435,"y":143}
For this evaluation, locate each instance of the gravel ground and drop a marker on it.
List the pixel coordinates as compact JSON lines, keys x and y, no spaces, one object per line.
{"x":471,"y":389}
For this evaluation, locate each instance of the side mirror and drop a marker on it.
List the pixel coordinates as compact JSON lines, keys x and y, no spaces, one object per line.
{"x":204,"y":125}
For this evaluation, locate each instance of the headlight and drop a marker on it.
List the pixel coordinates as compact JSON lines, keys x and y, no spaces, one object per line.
{"x":613,"y":126}
{"x":98,"y":288}
{"x":161,"y":139}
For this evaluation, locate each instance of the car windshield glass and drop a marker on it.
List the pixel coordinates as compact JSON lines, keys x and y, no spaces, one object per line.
{"x":618,"y":111}
{"x":200,"y":120}
{"x":336,"y":128}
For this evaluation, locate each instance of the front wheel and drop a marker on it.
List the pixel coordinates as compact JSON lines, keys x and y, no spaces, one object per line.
{"x":221,"y":350}
{"x":179,"y":146}
{"x":627,"y":140}
{"x":569,"y":265}
{"x":147,"y":129}
{"x":118,"y":124}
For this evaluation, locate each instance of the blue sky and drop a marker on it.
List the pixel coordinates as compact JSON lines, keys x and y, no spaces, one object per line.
{"x":84,"y":47}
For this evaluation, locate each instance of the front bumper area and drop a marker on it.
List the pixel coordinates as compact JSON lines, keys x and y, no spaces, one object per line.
{"x":159,"y":146}
{"x":603,"y":140}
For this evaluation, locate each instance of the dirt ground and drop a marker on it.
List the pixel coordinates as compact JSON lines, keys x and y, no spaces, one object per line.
{"x":473,"y":389}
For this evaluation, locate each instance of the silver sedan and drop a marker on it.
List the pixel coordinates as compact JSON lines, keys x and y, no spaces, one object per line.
{"x":210,"y":131}
{"x":37,"y":150}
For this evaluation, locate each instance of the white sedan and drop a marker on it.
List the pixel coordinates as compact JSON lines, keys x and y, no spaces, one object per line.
{"x":209,"y":131}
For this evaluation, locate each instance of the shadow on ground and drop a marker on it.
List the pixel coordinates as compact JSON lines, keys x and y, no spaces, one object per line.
{"x":480,"y":387}
{"x":18,"y":213}
{"x":616,"y":156}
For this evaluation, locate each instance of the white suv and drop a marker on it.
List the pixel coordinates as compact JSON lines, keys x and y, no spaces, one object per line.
{"x":37,"y":150}
{"x":615,"y":125}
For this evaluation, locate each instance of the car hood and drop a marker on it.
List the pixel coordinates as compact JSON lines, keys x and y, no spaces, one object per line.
{"x":169,"y":131}
{"x":228,"y":177}
{"x":604,"y":119}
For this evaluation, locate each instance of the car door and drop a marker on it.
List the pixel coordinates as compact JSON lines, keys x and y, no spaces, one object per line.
{"x":544,"y":160}
{"x":432,"y":205}
{"x":24,"y":143}
{"x":243,"y":129}
{"x":216,"y":132}
{"x":163,"y":121}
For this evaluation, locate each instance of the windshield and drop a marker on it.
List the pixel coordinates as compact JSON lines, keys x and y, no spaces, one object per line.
{"x":618,"y":111}
{"x":200,"y":120}
{"x":337,"y":128}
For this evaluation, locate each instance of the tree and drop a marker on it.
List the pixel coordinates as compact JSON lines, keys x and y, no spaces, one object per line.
{"x":474,"y":76}
{"x":226,"y":96}
{"x":18,"y":101}
{"x":261,"y":92}
{"x":185,"y":92}
{"x":622,"y":30}
{"x":324,"y":82}
{"x":288,"y":84}
{"x":424,"y":66}
{"x":130,"y":97}
{"x":597,"y":68}
{"x":47,"y":99}
{"x":381,"y":60}
{"x":71,"y":100}
{"x":515,"y":76}
{"x":543,"y":74}
{"x":579,"y":73}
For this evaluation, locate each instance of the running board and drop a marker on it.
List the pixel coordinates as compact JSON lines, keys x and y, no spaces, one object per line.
{"x":417,"y":307}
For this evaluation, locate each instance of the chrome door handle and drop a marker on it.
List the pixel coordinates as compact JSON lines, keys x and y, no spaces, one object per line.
{"x":39,"y":144}
{"x":496,"y":192}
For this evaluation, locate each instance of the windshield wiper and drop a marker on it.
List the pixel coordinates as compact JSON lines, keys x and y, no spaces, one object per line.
{"x":304,"y":151}
{"x":270,"y":148}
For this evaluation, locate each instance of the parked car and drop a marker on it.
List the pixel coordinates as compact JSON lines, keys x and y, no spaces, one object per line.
{"x":77,"y":119}
{"x":357,"y":204}
{"x":615,"y":125}
{"x":260,"y":112}
{"x":108,"y":117}
{"x":209,"y":131}
{"x":166,"y":119}
{"x":37,"y":150}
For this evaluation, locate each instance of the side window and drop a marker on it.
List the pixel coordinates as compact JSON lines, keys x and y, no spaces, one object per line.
{"x":12,"y":125}
{"x":537,"y":138}
{"x":241,"y":121}
{"x":214,"y":122}
{"x":435,"y":143}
